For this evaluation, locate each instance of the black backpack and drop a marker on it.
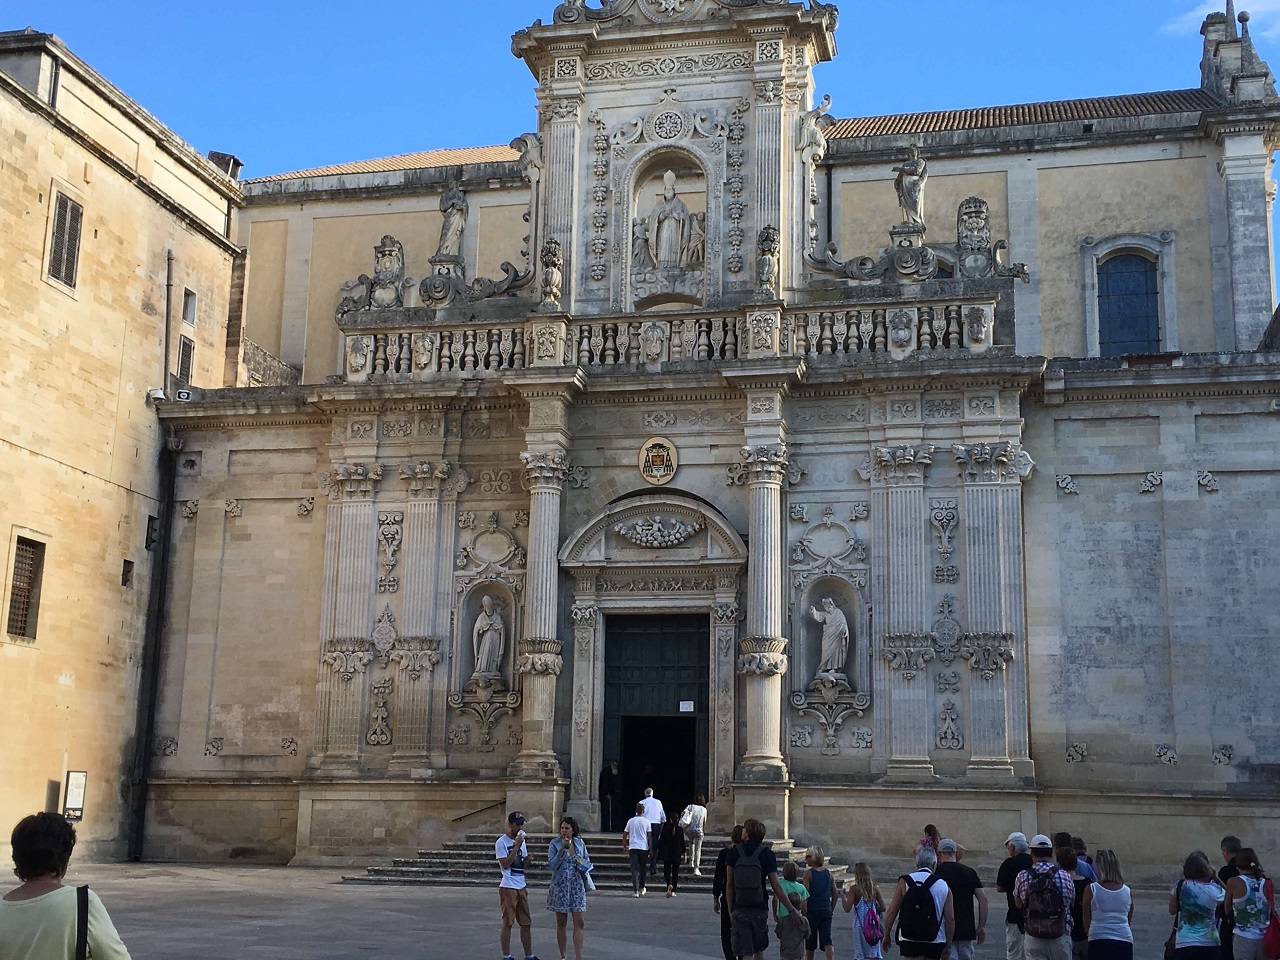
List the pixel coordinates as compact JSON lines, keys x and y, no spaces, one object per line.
{"x":748,"y":879}
{"x":1045,"y":913}
{"x":918,"y":919}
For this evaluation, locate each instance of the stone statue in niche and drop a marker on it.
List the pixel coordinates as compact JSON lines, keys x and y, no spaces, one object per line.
{"x":454,"y":209}
{"x":697,"y":250}
{"x":913,"y":174}
{"x":641,"y":258}
{"x":835,"y":639}
{"x":669,"y":227}
{"x":488,"y":637}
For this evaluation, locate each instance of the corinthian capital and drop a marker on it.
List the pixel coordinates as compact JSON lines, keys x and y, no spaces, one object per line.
{"x":765,"y":463}
{"x":542,"y":469}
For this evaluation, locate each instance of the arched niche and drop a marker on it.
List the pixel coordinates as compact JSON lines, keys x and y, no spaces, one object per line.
{"x":470,"y":608}
{"x":667,"y":265}
{"x":850,"y":600}
{"x":660,"y":530}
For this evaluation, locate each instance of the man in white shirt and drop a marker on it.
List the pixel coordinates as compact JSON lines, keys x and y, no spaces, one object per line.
{"x":636,"y":840}
{"x":657,"y":816}
{"x":513,"y":856}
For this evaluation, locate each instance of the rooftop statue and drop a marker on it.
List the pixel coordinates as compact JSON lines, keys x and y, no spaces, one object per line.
{"x":913,"y":173}
{"x":454,"y":208}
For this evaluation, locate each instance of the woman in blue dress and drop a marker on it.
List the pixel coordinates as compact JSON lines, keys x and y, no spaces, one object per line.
{"x":570,"y":881}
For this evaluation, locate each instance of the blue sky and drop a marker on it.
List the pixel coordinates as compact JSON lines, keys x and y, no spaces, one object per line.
{"x":290,"y":85}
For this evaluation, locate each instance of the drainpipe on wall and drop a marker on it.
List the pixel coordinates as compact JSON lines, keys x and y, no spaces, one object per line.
{"x":152,"y":648}
{"x":157,"y":602}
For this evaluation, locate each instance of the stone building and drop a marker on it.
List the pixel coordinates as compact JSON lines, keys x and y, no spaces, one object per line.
{"x":686,"y":432}
{"x":115,"y":276}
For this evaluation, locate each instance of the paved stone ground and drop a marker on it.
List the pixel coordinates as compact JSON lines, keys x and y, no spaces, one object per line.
{"x":226,"y":913}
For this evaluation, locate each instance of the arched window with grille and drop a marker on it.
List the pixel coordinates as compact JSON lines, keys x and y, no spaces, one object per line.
{"x":1130,"y":296}
{"x":1128,"y":305}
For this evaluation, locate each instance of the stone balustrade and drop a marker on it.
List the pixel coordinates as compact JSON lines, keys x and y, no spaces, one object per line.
{"x":472,"y":349}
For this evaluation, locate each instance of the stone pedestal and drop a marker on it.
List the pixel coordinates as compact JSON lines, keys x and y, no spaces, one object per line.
{"x":541,"y":801}
{"x":771,"y":805}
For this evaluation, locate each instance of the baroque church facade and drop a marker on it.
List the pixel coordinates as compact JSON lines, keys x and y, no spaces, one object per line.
{"x":706,"y":432}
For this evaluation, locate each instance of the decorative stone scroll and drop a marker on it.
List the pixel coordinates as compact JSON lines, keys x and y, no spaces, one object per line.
{"x":1207,"y":481}
{"x":1151,"y":481}
{"x":1067,"y":484}
{"x":949,"y":736}
{"x":946,"y":631}
{"x":347,"y":656}
{"x":380,"y":734}
{"x":1078,"y":752}
{"x":657,"y":532}
{"x":1223,"y":754}
{"x":944,"y":514}
{"x":907,"y":652}
{"x":762,"y":656}
{"x":1166,"y":754}
{"x":987,"y":653}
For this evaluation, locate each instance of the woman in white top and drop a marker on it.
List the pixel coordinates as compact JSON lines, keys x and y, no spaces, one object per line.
{"x":1247,"y":903}
{"x":38,"y":920}
{"x":1108,"y":911}
{"x":694,"y":820}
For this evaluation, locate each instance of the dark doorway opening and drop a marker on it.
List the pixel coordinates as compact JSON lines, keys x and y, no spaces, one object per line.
{"x":659,"y":752}
{"x":657,"y":696}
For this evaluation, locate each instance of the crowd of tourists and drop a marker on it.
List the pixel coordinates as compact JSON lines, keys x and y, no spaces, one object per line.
{"x":1062,"y":903}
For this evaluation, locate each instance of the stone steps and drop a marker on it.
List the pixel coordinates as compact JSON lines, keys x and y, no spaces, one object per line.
{"x":469,"y":862}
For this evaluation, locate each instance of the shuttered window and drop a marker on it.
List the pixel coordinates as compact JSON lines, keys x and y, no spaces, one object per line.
{"x":64,"y":254}
{"x":24,"y":589}
{"x":186,"y":358}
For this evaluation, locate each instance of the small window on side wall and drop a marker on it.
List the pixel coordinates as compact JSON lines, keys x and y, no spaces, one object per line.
{"x":64,"y":246}
{"x":1128,"y":305}
{"x":186,"y":358}
{"x":24,"y":588}
{"x":189,"y":307}
{"x":1130,"y":294}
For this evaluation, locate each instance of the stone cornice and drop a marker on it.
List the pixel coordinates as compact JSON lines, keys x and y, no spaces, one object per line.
{"x":1197,"y":376}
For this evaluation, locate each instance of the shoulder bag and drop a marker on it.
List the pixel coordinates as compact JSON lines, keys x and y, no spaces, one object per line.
{"x":1171,"y":944}
{"x":82,"y":923}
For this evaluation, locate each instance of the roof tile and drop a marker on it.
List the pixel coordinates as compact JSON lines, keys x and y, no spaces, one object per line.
{"x":1054,"y":111}
{"x":405,"y":161}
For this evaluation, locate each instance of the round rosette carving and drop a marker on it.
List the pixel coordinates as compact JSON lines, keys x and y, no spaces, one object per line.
{"x":762,"y":656}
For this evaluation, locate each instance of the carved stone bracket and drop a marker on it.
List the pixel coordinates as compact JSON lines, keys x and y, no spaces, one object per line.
{"x":487,"y":703}
{"x":416,"y":655}
{"x":424,"y":479}
{"x":987,"y":653}
{"x":540,"y":656}
{"x":908,"y":652}
{"x":762,"y":656}
{"x":831,"y":703}
{"x":764,"y":463}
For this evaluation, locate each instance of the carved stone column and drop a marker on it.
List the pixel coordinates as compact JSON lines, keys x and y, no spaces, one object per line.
{"x":563,"y":110}
{"x":901,"y":519}
{"x":762,"y":660}
{"x":540,"y":662}
{"x":995,"y":646}
{"x":350,"y":578}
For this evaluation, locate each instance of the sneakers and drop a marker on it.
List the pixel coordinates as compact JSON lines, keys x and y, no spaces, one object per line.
{"x":643,"y":891}
{"x":697,"y":872}
{"x":636,"y":895}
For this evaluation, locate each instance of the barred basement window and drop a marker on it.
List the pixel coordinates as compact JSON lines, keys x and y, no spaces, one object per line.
{"x":64,"y":249}
{"x":186,"y":358}
{"x":24,"y":590}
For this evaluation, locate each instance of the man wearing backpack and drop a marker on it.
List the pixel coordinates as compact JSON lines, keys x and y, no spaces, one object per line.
{"x":751,"y":870}
{"x":1045,"y":893}
{"x":924,"y":909}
